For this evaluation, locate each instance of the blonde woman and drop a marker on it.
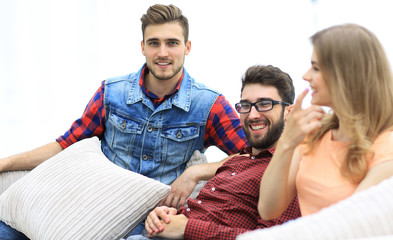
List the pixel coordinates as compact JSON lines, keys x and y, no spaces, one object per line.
{"x":325,"y":158}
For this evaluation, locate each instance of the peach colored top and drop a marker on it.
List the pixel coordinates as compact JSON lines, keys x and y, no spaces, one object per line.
{"x":319,"y":182}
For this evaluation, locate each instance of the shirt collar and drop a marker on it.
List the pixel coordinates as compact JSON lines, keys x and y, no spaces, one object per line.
{"x":142,"y":84}
{"x":248,"y":150}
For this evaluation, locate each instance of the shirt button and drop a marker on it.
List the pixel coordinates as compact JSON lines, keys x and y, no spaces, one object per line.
{"x":123,"y":125}
{"x":213,"y":189}
{"x":199,"y":202}
{"x":149,"y":129}
{"x":144,"y":157}
{"x":233,"y":174}
{"x":179,"y":135}
{"x":187,"y":209}
{"x":253,"y":157}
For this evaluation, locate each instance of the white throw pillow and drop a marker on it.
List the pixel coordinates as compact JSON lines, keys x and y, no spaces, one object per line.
{"x":79,"y":194}
{"x":8,"y":178}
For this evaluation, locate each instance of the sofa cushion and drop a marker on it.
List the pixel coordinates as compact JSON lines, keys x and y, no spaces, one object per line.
{"x":79,"y":194}
{"x":8,"y":178}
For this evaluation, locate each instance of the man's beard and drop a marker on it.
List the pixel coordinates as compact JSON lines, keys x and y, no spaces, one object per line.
{"x":272,"y":135}
{"x":177,"y":70}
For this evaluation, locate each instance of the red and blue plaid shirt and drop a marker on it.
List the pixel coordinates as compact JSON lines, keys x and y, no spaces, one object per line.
{"x":228,"y":203}
{"x":223,"y":128}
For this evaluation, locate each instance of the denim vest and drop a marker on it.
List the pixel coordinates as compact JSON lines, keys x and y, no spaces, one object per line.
{"x":158,"y":142}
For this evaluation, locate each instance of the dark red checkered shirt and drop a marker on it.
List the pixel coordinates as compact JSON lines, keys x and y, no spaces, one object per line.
{"x":227,"y":205}
{"x":223,"y":128}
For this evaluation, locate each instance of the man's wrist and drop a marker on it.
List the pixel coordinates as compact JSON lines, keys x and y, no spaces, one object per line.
{"x":193,"y":173}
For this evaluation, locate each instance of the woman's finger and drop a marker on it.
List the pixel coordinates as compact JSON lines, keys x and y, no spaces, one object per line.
{"x":299,"y":100}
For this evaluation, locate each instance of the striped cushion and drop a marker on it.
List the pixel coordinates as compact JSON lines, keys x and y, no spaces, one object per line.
{"x":8,"y":178}
{"x":79,"y":194}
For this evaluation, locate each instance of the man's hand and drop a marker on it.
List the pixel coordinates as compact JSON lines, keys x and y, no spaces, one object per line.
{"x":181,"y":189}
{"x":172,"y":229}
{"x":183,"y":186}
{"x":156,"y":218}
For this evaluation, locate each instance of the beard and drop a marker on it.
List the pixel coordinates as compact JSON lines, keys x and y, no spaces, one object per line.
{"x":272,"y":135}
{"x":162,"y":77}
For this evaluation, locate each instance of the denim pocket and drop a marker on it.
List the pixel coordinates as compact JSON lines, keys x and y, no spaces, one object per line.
{"x":125,"y":133}
{"x":180,"y":134}
{"x":126,"y":124}
{"x":179,"y":142}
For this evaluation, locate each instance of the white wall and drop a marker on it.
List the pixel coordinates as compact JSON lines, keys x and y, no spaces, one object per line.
{"x":54,"y":54}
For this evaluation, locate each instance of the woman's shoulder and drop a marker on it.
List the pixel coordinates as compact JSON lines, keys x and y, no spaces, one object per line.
{"x":382,"y":148}
{"x":384,"y":138}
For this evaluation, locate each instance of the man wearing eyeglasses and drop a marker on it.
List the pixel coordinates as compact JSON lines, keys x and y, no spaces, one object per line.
{"x":227,"y":205}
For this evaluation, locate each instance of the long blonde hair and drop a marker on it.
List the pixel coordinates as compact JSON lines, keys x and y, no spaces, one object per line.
{"x":359,"y":79}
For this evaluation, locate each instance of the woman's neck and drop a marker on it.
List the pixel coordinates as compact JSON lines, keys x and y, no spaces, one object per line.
{"x":339,"y":135}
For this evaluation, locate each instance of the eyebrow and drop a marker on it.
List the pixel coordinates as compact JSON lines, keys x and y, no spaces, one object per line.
{"x":167,"y":40}
{"x":258,"y":100}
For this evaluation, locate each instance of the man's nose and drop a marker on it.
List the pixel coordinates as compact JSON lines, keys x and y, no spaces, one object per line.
{"x":253,"y":112}
{"x":163,"y":51}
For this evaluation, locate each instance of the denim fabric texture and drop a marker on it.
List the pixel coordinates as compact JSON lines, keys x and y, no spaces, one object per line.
{"x":8,"y":233}
{"x":138,"y":230}
{"x":155,"y":142}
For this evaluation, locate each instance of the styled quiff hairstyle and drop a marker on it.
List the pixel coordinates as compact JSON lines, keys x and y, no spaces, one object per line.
{"x":271,"y":76}
{"x":359,"y":79}
{"x":160,"y":14}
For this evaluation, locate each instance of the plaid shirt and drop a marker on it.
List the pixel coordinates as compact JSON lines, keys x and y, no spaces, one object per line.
{"x":227,"y":205}
{"x":223,"y":127}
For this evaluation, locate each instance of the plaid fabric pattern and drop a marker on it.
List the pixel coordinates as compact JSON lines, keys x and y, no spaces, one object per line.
{"x":227,"y":205}
{"x":92,"y":122}
{"x":223,"y":128}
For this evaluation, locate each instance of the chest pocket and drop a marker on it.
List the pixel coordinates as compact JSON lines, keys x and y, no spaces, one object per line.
{"x":181,"y":134}
{"x":126,"y":125}
{"x":179,"y":143}
{"x":124,"y":133}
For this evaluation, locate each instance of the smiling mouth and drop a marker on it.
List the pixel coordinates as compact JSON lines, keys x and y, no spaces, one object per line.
{"x":162,"y":62}
{"x":258,"y":127}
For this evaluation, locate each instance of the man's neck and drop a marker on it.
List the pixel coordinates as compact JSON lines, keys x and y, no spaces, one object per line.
{"x":160,"y":88}
{"x":256,"y":151}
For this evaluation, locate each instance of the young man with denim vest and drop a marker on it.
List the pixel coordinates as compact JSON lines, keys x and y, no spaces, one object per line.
{"x":151,"y":121}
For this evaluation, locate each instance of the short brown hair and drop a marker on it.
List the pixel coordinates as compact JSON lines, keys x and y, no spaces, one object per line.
{"x":160,"y":14}
{"x":271,"y":76}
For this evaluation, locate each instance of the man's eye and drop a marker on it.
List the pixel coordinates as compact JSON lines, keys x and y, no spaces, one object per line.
{"x":245,"y":105}
{"x":264,"y":105}
{"x":152,"y":43}
{"x":173,"y":43}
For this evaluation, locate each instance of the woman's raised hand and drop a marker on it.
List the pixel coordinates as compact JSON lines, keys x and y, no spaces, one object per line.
{"x":301,"y":121}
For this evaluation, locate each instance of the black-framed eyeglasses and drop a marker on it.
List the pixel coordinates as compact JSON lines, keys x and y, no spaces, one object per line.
{"x":260,"y":106}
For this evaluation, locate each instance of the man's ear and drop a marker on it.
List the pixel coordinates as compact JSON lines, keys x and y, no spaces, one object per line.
{"x":143,"y":47}
{"x":288,"y":110}
{"x":188,"y":48}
